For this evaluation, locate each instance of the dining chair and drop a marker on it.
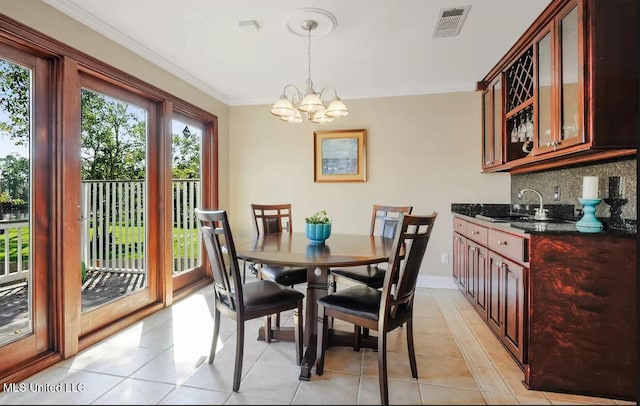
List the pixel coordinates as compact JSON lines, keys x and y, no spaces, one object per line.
{"x":238,"y":301}
{"x":383,"y":310}
{"x":276,"y":218}
{"x":383,"y":223}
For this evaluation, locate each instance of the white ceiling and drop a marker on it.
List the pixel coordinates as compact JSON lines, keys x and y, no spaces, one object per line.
{"x":378,"y":48}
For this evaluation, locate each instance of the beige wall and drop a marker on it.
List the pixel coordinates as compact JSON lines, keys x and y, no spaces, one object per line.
{"x":421,"y":150}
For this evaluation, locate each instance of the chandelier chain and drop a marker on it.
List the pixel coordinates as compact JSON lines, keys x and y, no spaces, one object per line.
{"x":309,"y":50}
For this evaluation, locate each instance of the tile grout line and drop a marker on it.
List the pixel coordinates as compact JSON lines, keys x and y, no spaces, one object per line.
{"x":489,"y":379}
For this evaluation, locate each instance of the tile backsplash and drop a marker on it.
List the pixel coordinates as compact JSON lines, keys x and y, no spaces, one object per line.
{"x":570,"y":182}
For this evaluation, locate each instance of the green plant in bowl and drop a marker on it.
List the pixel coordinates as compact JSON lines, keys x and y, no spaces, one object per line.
{"x":318,"y":227}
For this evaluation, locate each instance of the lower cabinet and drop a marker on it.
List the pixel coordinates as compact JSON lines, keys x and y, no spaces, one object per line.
{"x":563,"y":304}
{"x":505,"y":315}
{"x":493,"y":283}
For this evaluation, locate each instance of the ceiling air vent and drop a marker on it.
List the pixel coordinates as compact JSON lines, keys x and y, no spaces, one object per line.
{"x":450,"y":21}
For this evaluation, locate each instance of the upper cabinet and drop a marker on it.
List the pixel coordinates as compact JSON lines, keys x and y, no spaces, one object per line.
{"x":566,"y":91}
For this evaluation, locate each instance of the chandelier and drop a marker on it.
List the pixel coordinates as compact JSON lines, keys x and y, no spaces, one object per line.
{"x":293,"y":107}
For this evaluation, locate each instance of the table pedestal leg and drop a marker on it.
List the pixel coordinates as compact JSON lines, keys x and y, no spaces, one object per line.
{"x":317,"y":279}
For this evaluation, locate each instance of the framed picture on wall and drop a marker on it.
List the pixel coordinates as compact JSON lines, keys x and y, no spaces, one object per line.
{"x":340,"y":156}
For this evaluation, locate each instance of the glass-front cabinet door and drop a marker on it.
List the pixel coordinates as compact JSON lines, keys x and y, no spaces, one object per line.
{"x":492,"y":121}
{"x":545,"y":91}
{"x":560,"y":83}
{"x":571,"y":90}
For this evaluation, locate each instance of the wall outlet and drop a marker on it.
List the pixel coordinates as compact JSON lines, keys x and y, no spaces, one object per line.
{"x":444,"y":258}
{"x":556,"y":193}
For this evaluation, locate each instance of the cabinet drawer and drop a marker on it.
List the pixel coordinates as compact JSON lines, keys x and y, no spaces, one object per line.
{"x":509,"y":245}
{"x":477,"y":233}
{"x":459,"y":226}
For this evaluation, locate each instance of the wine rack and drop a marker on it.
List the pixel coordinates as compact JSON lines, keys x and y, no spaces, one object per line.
{"x":520,"y":81}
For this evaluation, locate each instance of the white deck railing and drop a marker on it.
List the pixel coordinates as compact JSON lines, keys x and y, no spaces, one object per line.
{"x":113,"y":229}
{"x":18,"y":269}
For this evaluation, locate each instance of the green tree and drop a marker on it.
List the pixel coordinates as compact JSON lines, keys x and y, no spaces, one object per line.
{"x":14,"y":177}
{"x":186,"y":156}
{"x":14,"y":101}
{"x":113,"y":138}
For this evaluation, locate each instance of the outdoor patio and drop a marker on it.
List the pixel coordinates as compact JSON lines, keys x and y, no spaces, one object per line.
{"x":99,"y":288}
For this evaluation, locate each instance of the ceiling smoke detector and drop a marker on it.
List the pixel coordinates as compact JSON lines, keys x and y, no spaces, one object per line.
{"x":450,"y":21}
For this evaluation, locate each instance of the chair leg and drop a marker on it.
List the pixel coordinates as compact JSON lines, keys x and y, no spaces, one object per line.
{"x":411,"y":348}
{"x":216,"y":333}
{"x":322,"y":338}
{"x":237,"y":370}
{"x":277,"y":320}
{"x":267,"y":329}
{"x":356,"y":335}
{"x":298,"y":323}
{"x":382,"y":367}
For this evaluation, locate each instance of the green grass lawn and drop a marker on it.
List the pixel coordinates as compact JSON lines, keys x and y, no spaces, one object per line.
{"x":126,"y":240}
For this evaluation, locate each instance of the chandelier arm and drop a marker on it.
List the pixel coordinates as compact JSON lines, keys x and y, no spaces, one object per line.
{"x":296,"y":94}
{"x":335,"y":92}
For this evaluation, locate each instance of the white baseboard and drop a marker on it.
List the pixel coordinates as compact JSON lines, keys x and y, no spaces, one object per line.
{"x":437,"y":282}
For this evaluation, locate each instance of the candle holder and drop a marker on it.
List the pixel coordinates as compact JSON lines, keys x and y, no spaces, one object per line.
{"x":589,"y":223}
{"x":615,"y":217}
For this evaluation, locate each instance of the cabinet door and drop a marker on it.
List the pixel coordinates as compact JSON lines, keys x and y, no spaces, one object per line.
{"x":495,"y":288}
{"x":459,"y":253}
{"x":513,"y":321}
{"x":493,"y":121}
{"x":480,"y":264}
{"x":570,"y":78}
{"x":472,"y":278}
{"x":545,"y":103}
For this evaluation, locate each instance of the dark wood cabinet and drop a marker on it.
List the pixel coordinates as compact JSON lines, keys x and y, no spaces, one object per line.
{"x":492,"y":283}
{"x":562,"y":304}
{"x":459,"y":261}
{"x":477,"y":268}
{"x":492,"y":123}
{"x":567,"y":98}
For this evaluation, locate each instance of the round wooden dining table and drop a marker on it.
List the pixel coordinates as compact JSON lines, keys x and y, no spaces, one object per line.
{"x":294,"y":249}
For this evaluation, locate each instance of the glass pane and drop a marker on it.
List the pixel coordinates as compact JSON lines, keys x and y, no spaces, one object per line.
{"x":488,"y":144}
{"x":570,"y":73}
{"x":15,"y":202}
{"x":497,"y":123}
{"x":114,"y":198}
{"x":544,"y":91}
{"x":186,"y":139}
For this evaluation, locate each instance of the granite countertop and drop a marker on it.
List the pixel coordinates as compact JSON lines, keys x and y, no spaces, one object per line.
{"x":563,"y":218}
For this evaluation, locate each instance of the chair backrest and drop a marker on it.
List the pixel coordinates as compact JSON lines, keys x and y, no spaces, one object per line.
{"x":227,"y":279}
{"x":409,"y":246}
{"x":271,"y":218}
{"x":385,"y":218}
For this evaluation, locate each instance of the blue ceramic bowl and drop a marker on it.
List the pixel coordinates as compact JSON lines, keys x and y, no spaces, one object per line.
{"x":317,"y":233}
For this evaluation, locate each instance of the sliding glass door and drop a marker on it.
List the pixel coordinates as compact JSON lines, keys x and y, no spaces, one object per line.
{"x":24,"y":229}
{"x":117,"y":271}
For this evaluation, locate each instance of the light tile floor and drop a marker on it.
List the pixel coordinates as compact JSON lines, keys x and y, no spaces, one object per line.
{"x":163,"y":360}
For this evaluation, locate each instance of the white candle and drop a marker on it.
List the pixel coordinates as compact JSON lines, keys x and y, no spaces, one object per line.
{"x":590,"y":187}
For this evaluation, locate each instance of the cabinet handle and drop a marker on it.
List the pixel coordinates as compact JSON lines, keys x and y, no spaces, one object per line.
{"x":475,"y":232}
{"x":502,"y":242}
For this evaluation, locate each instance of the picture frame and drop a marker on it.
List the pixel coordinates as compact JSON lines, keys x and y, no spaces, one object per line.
{"x":340,"y":156}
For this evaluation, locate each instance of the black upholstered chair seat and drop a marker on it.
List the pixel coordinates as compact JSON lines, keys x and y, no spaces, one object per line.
{"x":360,"y":300}
{"x":266,"y":293}
{"x":370,"y":275}
{"x":285,"y":275}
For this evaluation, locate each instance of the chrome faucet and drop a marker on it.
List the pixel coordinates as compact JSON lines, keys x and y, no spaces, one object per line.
{"x":541,"y":212}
